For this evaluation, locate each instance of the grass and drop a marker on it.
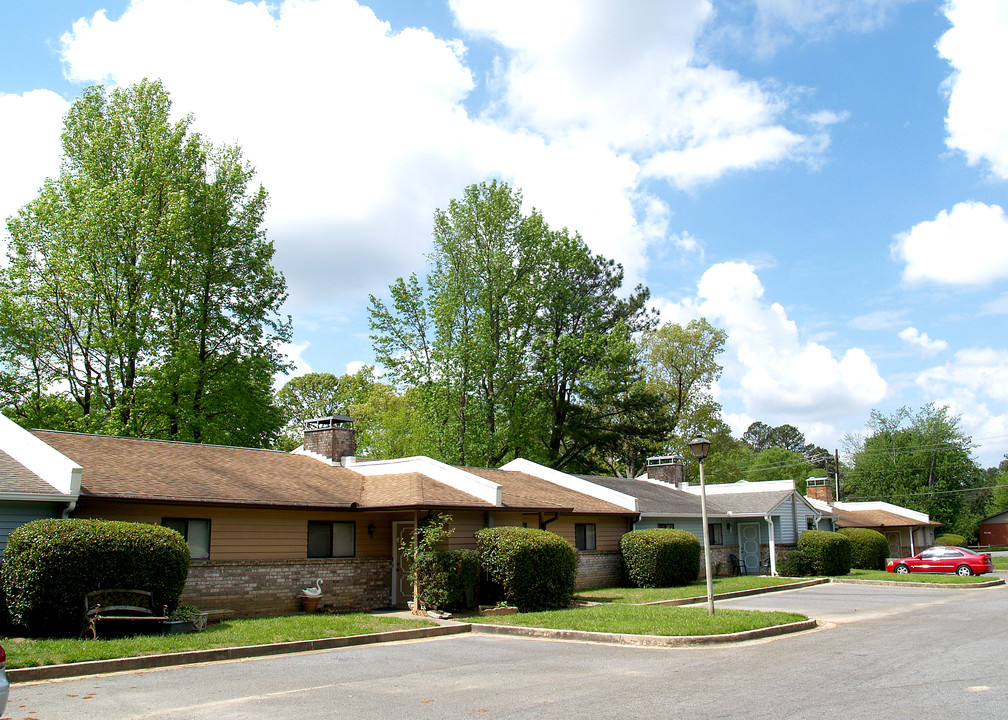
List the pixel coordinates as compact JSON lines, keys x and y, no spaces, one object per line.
{"x":942,"y":578}
{"x":30,"y":652}
{"x":1000,"y":563}
{"x":647,"y":620}
{"x":694,"y":589}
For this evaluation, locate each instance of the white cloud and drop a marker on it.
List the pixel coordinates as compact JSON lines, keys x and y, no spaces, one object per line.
{"x":299,"y":366}
{"x":30,"y":150}
{"x":776,"y":373}
{"x":975,"y":47}
{"x":878,"y":320}
{"x":914,"y":337}
{"x":967,"y":246}
{"x":818,"y":18}
{"x":354,"y":367}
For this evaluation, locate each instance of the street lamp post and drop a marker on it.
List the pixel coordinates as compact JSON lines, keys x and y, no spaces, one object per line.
{"x":700,"y":446}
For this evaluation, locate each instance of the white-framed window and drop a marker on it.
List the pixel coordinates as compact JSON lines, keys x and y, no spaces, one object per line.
{"x":332,"y":539}
{"x":196,"y":532}
{"x":584,"y":536}
{"x":714,"y":533}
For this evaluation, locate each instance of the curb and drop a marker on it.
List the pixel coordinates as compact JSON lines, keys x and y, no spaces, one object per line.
{"x":643,"y":640}
{"x":739,"y":593}
{"x":146,"y":662}
{"x":937,"y":586}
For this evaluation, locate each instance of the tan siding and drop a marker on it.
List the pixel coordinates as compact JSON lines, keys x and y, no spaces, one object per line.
{"x":608,"y":529}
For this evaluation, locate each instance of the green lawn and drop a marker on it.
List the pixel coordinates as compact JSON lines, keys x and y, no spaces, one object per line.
{"x":646,"y":620}
{"x":943,"y":578}
{"x":28,"y":652}
{"x":695,"y":589}
{"x":1000,"y":563}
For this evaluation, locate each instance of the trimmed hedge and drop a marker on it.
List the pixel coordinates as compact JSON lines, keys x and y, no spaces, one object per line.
{"x":50,"y":565}
{"x":661,"y":557}
{"x":445,"y":576}
{"x":869,"y":548}
{"x":536,"y":569}
{"x":794,"y":563}
{"x":950,"y":539}
{"x":828,"y":552}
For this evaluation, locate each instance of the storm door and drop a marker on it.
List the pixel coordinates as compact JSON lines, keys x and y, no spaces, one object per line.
{"x":749,"y":546}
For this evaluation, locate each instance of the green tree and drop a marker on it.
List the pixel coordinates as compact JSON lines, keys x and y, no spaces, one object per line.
{"x":140,"y":280}
{"x":776,"y":463}
{"x":922,"y":461}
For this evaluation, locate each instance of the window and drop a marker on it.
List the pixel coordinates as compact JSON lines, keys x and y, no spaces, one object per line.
{"x":195,"y":531}
{"x":666,"y":526}
{"x":584,"y":536}
{"x":332,"y":539}
{"x":714,"y":533}
{"x":809,"y":522}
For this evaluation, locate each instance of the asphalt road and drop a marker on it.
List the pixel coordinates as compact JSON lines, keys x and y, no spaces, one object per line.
{"x":884,"y":653}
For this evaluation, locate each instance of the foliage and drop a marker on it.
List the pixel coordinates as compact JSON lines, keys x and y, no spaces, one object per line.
{"x":184,"y":613}
{"x":522,"y":343}
{"x":446,"y":576}
{"x":536,"y":569}
{"x":920,"y":461}
{"x":779,"y":464}
{"x":660,"y":557}
{"x":139,"y":296}
{"x":869,"y":548}
{"x":998,"y":501}
{"x":829,"y":553}
{"x":795,"y":563}
{"x":50,"y":565}
{"x":951,"y":539}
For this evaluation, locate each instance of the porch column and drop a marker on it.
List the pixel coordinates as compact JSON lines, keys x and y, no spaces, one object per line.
{"x":773,"y":546}
{"x":912,"y":551}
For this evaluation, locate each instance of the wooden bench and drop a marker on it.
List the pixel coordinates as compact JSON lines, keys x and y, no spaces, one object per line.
{"x":123,"y":610}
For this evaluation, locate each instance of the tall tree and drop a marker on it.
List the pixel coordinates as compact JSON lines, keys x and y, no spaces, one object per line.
{"x":146,"y":264}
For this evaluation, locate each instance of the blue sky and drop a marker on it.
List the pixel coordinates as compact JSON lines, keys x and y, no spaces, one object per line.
{"x":824,"y":179}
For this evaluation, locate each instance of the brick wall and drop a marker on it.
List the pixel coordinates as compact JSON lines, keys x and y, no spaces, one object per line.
{"x":599,"y":570}
{"x":272,"y":587}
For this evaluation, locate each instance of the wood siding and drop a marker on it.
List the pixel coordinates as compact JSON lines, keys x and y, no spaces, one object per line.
{"x":14,"y":514}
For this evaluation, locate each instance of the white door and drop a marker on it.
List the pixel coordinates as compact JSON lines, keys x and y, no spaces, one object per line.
{"x":749,"y":547}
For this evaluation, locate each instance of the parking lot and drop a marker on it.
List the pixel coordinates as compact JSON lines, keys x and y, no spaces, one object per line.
{"x":883,"y":652}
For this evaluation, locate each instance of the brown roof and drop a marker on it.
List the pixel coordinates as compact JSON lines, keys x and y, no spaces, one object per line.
{"x":875,"y":518}
{"x":16,"y":478}
{"x":412,"y":489}
{"x":520,"y":490}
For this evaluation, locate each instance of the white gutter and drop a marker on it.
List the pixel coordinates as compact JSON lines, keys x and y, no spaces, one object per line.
{"x":773,"y":545}
{"x":49,"y":464}
{"x":585,"y":487}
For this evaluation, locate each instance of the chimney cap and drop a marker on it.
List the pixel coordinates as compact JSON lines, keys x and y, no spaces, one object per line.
{"x":664,"y":460}
{"x":329,"y":421}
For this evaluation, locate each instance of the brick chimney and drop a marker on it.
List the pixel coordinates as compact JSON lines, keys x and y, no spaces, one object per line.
{"x":820,"y":489}
{"x":667,"y":469}
{"x":332,"y":437}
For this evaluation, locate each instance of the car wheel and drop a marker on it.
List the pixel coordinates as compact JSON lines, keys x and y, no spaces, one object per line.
{"x":902,"y":569}
{"x":964,"y":570}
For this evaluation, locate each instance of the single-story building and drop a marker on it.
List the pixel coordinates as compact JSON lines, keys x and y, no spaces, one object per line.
{"x":907,"y":531}
{"x":263,"y":524}
{"x":993,"y":530}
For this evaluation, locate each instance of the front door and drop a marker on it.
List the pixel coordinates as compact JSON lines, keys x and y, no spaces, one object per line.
{"x":895,"y":549}
{"x":402,"y":590}
{"x":749,"y":547}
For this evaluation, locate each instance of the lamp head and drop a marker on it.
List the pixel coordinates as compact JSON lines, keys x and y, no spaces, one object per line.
{"x":700,"y":446}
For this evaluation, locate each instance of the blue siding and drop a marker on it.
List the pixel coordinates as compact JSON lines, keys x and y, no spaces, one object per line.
{"x":14,"y":514}
{"x":693,"y":525}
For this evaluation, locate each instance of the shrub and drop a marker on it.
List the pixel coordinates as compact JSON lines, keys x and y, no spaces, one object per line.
{"x":869,"y":548}
{"x":446,"y":575}
{"x":794,"y":563}
{"x":828,"y":552}
{"x":536,"y":569}
{"x":660,"y":558}
{"x":950,"y":539}
{"x":50,"y":565}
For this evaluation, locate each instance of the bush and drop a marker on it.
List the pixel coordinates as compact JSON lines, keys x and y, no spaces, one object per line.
{"x":660,"y":558}
{"x":50,"y":565}
{"x":445,"y":576}
{"x":794,"y":563}
{"x":828,"y":552}
{"x":869,"y":548}
{"x":950,"y":539}
{"x":536,"y":569}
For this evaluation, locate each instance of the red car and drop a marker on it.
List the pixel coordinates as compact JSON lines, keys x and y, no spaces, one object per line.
{"x":944,"y":560}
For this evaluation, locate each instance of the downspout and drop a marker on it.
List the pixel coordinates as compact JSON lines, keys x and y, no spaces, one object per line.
{"x":544,"y":523}
{"x":71,"y":506}
{"x":773,"y":545}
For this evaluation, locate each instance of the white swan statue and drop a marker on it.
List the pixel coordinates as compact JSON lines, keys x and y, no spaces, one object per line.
{"x":313,"y":591}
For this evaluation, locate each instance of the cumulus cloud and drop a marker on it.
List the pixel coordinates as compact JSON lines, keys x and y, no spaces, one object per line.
{"x":975,"y":47}
{"x":948,"y":249}
{"x":777,"y":373}
{"x":298,"y":365}
{"x":30,"y":150}
{"x":914,"y":337}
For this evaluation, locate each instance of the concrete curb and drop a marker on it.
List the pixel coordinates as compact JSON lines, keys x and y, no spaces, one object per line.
{"x":642,"y":640}
{"x":740,"y":593}
{"x":146,"y":662}
{"x":937,"y":586}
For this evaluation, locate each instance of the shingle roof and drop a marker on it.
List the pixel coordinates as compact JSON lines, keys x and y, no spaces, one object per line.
{"x":521,"y":490}
{"x":750,"y":503}
{"x":876,"y":518}
{"x":652,"y":498}
{"x":16,"y":478}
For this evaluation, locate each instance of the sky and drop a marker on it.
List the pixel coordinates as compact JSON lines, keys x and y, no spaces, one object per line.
{"x":823,"y":179}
